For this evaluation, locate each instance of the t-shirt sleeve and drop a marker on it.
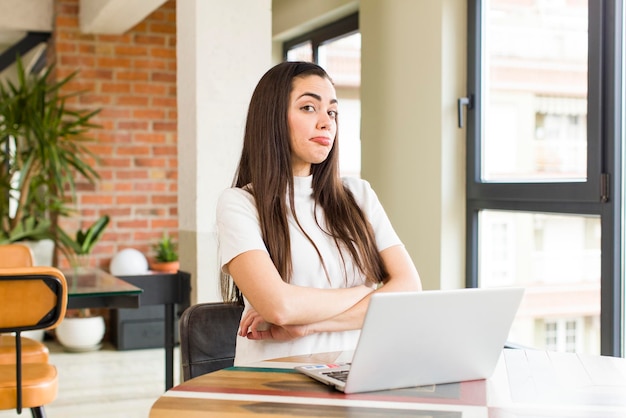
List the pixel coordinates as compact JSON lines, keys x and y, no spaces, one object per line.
{"x":368,"y":201}
{"x":238,"y":227}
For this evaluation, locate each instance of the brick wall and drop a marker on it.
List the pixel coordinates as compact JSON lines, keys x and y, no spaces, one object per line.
{"x":132,"y":78}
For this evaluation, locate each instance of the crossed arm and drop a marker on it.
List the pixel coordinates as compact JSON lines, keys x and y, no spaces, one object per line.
{"x":282,"y":311}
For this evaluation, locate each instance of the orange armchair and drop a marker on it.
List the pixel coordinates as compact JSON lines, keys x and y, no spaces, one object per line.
{"x":19,"y":255}
{"x":31,"y":298}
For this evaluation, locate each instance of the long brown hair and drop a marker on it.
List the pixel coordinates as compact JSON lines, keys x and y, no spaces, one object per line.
{"x":265,"y":171}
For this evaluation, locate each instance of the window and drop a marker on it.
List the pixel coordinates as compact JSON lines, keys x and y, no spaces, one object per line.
{"x":544,"y":165}
{"x":337,"y":48}
{"x":563,"y":335}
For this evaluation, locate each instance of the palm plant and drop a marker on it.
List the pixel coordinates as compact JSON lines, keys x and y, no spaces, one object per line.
{"x":85,"y":239}
{"x":43,"y":145}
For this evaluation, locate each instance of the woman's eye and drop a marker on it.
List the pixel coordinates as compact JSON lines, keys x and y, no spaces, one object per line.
{"x":308,"y":108}
{"x":332,"y":114}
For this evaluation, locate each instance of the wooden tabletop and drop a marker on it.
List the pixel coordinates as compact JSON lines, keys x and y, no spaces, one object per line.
{"x":526,"y":383}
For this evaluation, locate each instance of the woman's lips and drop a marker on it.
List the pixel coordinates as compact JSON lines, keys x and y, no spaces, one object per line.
{"x":322,"y":140}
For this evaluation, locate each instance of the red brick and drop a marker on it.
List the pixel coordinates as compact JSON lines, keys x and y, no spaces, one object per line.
{"x":165,"y":223}
{"x":116,"y":162}
{"x":131,"y":199}
{"x":115,"y":88}
{"x":164,"y":126}
{"x":132,"y":75}
{"x":139,"y":101}
{"x":67,"y":21}
{"x":148,"y":113}
{"x":86,"y":99}
{"x":89,"y":199}
{"x":164,"y":77}
{"x":164,"y":200}
{"x":106,"y":62}
{"x":96,"y":73}
{"x":115,"y":113}
{"x":157,"y":40}
{"x":149,"y":162}
{"x":133,"y":224}
{"x":133,"y":125}
{"x":131,"y":50}
{"x":165,"y":150}
{"x":119,"y":212}
{"x":101,"y":149}
{"x":164,"y":101}
{"x":144,"y":88}
{"x":66,"y":47}
{"x":133,"y":150}
{"x":86,"y":48}
{"x":77,"y":61}
{"x":150,"y":187}
{"x":151,"y":211}
{"x":115,"y":39}
{"x":167,"y":28}
{"x":157,"y":52}
{"x":132,"y":174}
{"x":149,"y":138}
{"x":150,"y":64}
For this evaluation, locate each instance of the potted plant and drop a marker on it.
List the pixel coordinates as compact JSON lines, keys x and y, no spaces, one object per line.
{"x":80,"y":330}
{"x":78,"y":249}
{"x":166,"y":258}
{"x":43,"y":148}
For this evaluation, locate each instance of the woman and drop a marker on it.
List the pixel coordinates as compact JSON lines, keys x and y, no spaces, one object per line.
{"x":304,"y":247}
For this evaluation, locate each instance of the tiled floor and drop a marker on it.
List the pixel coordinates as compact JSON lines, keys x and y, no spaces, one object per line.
{"x":106,"y":383}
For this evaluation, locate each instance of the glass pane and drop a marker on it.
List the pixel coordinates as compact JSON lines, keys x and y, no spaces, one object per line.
{"x":302,"y":52}
{"x":341,"y":58}
{"x":535,"y":91}
{"x":556,"y":258}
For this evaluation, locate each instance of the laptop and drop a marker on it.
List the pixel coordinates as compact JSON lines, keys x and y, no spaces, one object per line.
{"x":425,"y":338}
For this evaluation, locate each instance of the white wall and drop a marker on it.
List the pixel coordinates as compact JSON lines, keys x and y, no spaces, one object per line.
{"x":413,"y":70}
{"x":222,"y":51}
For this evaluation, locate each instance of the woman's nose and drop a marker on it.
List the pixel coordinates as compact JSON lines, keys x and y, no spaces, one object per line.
{"x":324,"y":121}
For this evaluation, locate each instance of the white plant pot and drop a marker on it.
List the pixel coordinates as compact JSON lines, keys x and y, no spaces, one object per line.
{"x":81,"y":334}
{"x":43,"y":251}
{"x":36,"y":335}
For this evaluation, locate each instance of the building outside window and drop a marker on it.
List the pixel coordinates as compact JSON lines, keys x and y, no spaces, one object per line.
{"x":541,"y":212}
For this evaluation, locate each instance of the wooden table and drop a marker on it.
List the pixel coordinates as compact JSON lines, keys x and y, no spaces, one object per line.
{"x":526,"y":383}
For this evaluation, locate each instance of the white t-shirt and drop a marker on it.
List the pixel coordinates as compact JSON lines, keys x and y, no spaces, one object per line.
{"x":239,"y":231}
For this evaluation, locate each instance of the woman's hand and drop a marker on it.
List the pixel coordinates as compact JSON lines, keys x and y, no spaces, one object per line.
{"x":254,"y":327}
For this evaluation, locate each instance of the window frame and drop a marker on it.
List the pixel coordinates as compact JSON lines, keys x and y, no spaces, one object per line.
{"x":338,"y":29}
{"x":600,"y":194}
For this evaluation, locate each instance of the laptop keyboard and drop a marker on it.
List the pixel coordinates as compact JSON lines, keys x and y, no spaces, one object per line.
{"x":341,"y":375}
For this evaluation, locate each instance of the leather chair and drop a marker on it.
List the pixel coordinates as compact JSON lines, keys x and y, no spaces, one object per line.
{"x":208,"y":333}
{"x":31,"y":298}
{"x":19,"y":255}
{"x":15,"y":255}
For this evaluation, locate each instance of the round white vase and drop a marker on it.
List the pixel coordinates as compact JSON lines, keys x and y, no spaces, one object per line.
{"x":81,"y":334}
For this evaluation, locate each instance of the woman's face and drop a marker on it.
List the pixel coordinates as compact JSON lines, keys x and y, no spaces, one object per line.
{"x":312,"y":117}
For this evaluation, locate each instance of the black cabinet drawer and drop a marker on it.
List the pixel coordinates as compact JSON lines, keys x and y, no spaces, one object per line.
{"x":140,"y":334}
{"x":144,"y":327}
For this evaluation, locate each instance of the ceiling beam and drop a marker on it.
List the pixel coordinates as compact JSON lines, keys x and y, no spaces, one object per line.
{"x":26,"y":15}
{"x":21,"y":48}
{"x":114,"y":16}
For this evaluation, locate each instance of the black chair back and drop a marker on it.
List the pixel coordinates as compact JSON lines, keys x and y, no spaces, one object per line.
{"x":208,"y":333}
